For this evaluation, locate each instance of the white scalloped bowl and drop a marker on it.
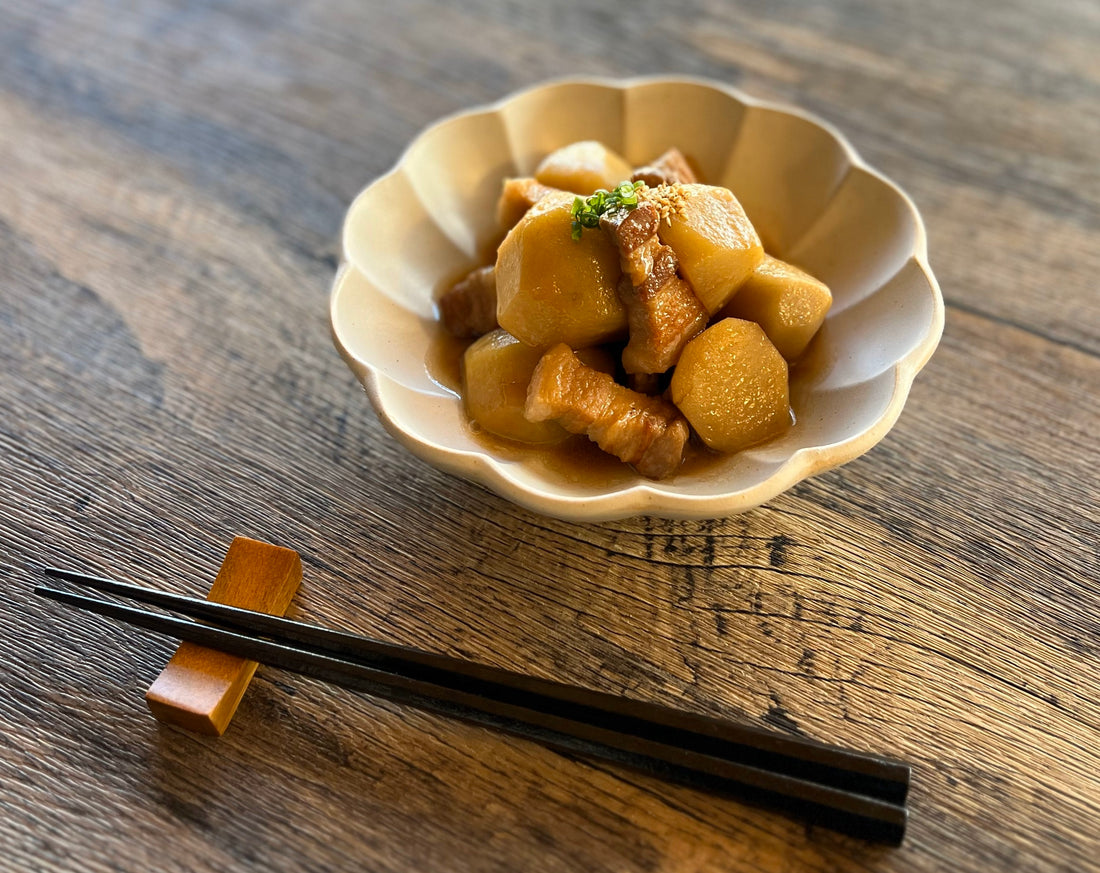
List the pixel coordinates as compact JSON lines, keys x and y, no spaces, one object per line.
{"x":812,"y":199}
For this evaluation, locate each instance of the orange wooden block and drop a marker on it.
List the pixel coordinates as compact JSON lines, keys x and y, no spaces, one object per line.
{"x":201,"y":688}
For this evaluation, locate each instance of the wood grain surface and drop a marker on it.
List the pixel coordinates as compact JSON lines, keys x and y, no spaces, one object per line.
{"x":174,"y":174}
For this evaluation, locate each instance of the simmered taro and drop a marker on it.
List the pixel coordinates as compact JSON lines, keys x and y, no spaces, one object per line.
{"x":551,"y":288}
{"x":496,"y":370}
{"x":731,"y":385}
{"x":714,"y":241}
{"x":582,"y":168}
{"x":788,"y":303}
{"x":635,"y":306}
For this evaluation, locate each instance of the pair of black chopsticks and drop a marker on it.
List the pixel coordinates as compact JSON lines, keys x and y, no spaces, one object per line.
{"x":859,"y":794}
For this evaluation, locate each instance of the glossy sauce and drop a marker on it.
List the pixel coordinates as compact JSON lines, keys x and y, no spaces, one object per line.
{"x":577,"y":460}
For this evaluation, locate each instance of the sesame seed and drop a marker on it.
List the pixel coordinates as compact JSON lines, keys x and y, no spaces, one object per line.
{"x":669,"y":200}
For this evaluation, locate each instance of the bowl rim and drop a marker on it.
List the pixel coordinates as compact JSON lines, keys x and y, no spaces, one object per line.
{"x":645,"y":497}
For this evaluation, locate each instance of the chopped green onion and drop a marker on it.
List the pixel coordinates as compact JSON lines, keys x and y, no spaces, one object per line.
{"x":586,"y":211}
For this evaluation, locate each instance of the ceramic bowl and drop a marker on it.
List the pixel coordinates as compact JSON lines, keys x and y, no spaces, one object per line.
{"x":813,"y":201}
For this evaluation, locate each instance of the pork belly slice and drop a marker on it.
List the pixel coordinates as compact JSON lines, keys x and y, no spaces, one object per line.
{"x":663,"y":312}
{"x":646,"y":383}
{"x":469,"y":308}
{"x":516,"y":197}
{"x":671,"y":168}
{"x":647,"y":432}
{"x":634,"y":231}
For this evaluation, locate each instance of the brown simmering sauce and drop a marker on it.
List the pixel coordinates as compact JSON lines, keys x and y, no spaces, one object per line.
{"x":576,"y":460}
{"x":711,"y":235}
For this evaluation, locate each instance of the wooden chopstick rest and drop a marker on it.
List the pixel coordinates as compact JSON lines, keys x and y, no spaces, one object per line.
{"x":201,"y":688}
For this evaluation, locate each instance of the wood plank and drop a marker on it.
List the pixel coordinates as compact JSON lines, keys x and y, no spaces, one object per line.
{"x":169,"y":211}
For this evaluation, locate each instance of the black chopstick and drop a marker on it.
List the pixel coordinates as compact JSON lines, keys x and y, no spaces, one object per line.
{"x":848,"y":791}
{"x":862,"y":773}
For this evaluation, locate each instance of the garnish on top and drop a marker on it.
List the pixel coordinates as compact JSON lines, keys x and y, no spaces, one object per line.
{"x":586,"y":211}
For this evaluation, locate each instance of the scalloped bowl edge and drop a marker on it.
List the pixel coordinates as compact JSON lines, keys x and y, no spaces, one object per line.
{"x":644,"y":498}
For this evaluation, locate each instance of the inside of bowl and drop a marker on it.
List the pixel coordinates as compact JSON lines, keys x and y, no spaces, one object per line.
{"x":419,"y":228}
{"x":702,"y":122}
{"x":872,"y":335}
{"x":544,"y":119}
{"x":398,"y":244}
{"x":863,"y":235}
{"x":379,"y":332}
{"x":455,"y":171}
{"x":784,"y":169}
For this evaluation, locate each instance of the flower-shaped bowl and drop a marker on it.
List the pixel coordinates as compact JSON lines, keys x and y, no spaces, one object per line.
{"x":813,"y":201}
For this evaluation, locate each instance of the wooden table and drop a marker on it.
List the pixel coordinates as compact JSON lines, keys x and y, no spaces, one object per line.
{"x":174,"y":177}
